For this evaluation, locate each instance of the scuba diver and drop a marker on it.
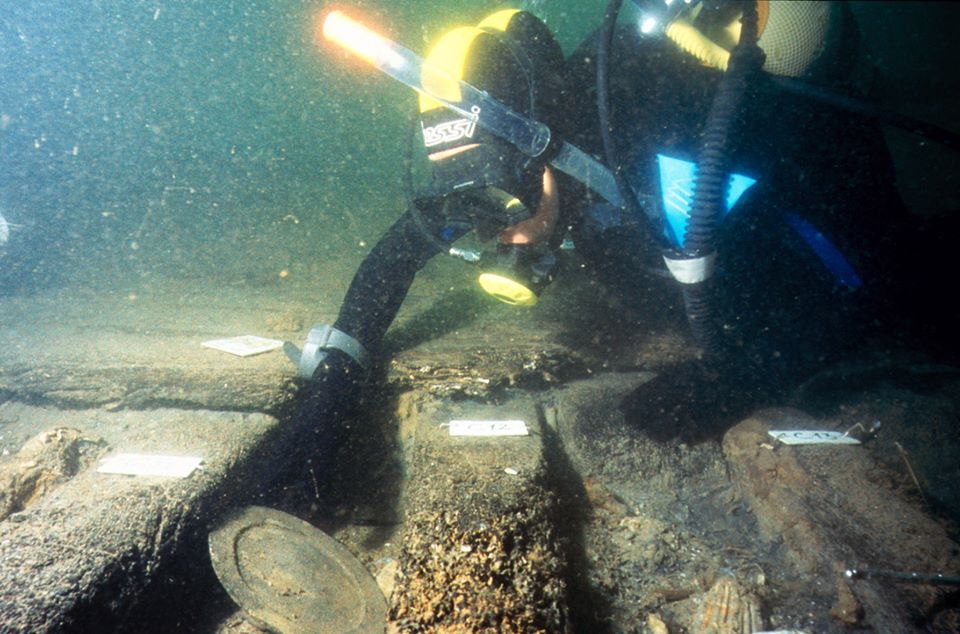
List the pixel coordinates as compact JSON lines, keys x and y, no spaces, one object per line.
{"x":479,"y":183}
{"x":793,"y":258}
{"x":777,"y":213}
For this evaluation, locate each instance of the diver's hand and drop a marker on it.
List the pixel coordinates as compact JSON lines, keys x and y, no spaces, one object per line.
{"x":540,"y":226}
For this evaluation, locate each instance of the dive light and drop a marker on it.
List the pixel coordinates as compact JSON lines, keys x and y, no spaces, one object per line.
{"x":656,"y":15}
{"x":516,"y":273}
{"x":529,"y":136}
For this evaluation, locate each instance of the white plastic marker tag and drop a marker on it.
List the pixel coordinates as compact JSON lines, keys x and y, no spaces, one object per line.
{"x":798,"y":437}
{"x":244,"y":345}
{"x":488,"y":428}
{"x":138,"y":464}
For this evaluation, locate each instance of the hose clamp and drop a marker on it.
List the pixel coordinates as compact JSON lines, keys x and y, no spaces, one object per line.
{"x":322,"y":338}
{"x":690,"y":270}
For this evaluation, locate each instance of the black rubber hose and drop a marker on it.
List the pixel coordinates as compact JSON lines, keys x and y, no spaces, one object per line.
{"x":710,"y":185}
{"x":745,"y":60}
{"x":712,"y":167}
{"x":868,"y":110}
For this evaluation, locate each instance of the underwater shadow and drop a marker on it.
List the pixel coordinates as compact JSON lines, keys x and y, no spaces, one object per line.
{"x":611,"y":317}
{"x":347,"y":469}
{"x":338,"y":466}
{"x":693,"y":403}
{"x":454,"y":310}
{"x":589,"y":608}
{"x":360,"y":481}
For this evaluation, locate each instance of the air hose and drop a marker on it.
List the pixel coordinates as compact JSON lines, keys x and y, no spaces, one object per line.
{"x":709,"y":191}
{"x":912,"y":125}
{"x":693,"y":264}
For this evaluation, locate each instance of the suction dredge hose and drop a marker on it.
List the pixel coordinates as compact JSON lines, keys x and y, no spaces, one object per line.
{"x":746,"y":59}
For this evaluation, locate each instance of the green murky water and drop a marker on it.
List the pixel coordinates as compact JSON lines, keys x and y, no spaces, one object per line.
{"x":136,"y":135}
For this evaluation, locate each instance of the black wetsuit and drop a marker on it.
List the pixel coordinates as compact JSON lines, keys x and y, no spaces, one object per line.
{"x":825,"y":186}
{"x":819,"y":165}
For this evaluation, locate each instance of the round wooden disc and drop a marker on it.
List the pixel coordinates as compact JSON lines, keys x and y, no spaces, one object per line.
{"x":291,"y":577}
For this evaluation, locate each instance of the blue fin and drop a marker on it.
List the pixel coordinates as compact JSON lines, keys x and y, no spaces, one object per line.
{"x":676,"y":186}
{"x":829,"y":254}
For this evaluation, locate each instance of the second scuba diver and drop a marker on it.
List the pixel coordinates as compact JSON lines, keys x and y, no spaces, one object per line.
{"x":812,"y":226}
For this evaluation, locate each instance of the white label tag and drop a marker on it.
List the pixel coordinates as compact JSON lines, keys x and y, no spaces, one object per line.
{"x":488,"y":428}
{"x":138,"y":464}
{"x":808,"y":437}
{"x":244,"y":345}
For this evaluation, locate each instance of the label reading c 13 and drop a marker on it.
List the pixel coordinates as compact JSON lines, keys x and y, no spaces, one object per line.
{"x":812,"y":437}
